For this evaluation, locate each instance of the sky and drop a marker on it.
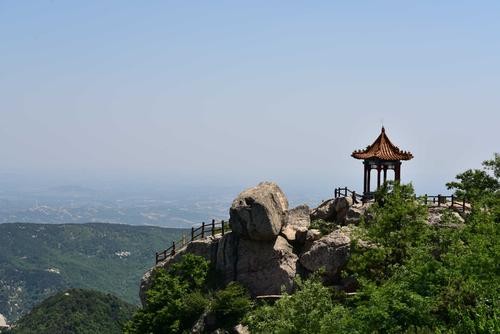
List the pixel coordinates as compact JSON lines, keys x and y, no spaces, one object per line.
{"x":232,"y":93}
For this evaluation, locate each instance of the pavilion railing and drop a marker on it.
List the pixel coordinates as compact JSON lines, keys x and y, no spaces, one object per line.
{"x":197,"y":233}
{"x":346,"y":192}
{"x":455,"y":202}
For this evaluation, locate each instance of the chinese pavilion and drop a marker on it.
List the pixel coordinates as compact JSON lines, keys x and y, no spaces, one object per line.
{"x":381,"y":156}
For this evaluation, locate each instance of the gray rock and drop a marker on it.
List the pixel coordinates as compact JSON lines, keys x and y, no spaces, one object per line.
{"x":293,"y":234}
{"x":206,"y":247}
{"x":298,"y":217}
{"x":258,"y":213}
{"x":296,"y":224}
{"x":265,"y":267}
{"x":342,"y":205}
{"x":325,"y":211}
{"x":437,"y":217}
{"x":311,"y":236}
{"x":331,"y":253}
{"x":3,"y":322}
{"x":145,"y":285}
{"x":354,"y":214}
{"x":227,"y":255}
{"x":241,"y":329}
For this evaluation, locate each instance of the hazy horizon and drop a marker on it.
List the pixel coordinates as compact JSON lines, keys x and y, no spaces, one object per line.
{"x":167,"y":94}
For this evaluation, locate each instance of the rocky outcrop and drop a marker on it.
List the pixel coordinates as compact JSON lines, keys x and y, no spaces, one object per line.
{"x":227,"y":255}
{"x":342,"y":205}
{"x":297,"y":223}
{"x":341,"y":211}
{"x":262,"y":250}
{"x":444,"y":217}
{"x":325,"y":211}
{"x":265,"y":267}
{"x":258,"y":213}
{"x":330,"y":253}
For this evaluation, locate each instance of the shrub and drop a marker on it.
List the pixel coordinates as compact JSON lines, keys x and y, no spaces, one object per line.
{"x":175,"y":300}
{"x":323,"y":226}
{"x":231,"y":305}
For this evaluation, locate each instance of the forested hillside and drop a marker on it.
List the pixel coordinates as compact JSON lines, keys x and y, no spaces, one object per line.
{"x":76,"y":311}
{"x":38,"y":260}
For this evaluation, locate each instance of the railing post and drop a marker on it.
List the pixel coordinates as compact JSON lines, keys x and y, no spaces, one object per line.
{"x":345,"y":191}
{"x":213,"y":227}
{"x":354,"y":197}
{"x":452,"y":200}
{"x":203,"y":230}
{"x":222,"y":223}
{"x":192,"y":233}
{"x":439,"y":200}
{"x":156,"y":258}
{"x":173,"y":247}
{"x":425,"y":199}
{"x":463,"y":205}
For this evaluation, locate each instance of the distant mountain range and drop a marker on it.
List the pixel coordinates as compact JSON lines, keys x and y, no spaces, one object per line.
{"x":38,"y":260}
{"x":179,"y":207}
{"x":76,"y":204}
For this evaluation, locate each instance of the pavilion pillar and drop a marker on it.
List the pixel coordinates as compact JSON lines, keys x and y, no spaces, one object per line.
{"x":397,"y":172}
{"x":365,"y":178}
{"x":369,"y":171}
{"x":385,"y":174}
{"x":378,"y":177}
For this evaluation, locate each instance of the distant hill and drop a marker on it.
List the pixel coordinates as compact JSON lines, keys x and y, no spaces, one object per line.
{"x":76,"y":311}
{"x":38,"y":260}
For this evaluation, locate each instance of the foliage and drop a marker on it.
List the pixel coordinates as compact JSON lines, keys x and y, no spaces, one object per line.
{"x":493,"y":165}
{"x":475,"y":184}
{"x":76,"y":311}
{"x":301,"y":312}
{"x":413,"y":278}
{"x":230,"y":305}
{"x":181,"y":294}
{"x":323,"y":226}
{"x":175,"y":300}
{"x":38,"y":260}
{"x":398,"y":226}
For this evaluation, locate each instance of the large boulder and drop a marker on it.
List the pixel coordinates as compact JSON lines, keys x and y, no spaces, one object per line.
{"x":258,"y":213}
{"x":227,"y":256}
{"x":342,"y":206}
{"x":311,"y":236}
{"x":355,"y":213}
{"x":333,"y":210}
{"x":325,"y":211}
{"x":330,"y":253}
{"x":265,"y":267}
{"x":297,"y":222}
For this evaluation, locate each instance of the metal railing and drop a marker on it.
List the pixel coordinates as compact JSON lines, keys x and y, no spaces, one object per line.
{"x":197,"y":233}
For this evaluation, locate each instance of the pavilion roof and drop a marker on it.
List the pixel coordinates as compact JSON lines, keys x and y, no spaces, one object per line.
{"x":383,"y":149}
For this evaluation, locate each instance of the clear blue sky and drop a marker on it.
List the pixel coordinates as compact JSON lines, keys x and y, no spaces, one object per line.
{"x":238,"y":92}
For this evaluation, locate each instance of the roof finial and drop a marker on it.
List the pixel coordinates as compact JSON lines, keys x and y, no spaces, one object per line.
{"x":382,"y":122}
